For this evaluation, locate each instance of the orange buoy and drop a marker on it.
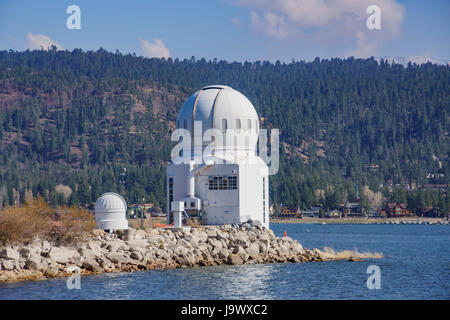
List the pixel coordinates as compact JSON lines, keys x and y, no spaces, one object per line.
{"x":285,"y":233}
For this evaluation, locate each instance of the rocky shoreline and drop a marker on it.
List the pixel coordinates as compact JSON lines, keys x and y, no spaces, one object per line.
{"x":159,"y":248}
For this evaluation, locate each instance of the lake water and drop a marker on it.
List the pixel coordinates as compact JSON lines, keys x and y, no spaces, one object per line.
{"x":416,"y":265}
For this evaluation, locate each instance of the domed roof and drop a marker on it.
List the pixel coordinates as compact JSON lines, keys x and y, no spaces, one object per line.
{"x":218,"y":106}
{"x":111,"y":202}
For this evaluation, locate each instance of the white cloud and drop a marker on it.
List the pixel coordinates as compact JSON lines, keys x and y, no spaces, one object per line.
{"x":273,"y":24}
{"x":155,"y":49}
{"x":326,"y":20}
{"x":41,"y":42}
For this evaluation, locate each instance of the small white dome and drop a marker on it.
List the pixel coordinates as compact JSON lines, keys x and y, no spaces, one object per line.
{"x":223,"y":108}
{"x":110,"y":201}
{"x":110,"y":212}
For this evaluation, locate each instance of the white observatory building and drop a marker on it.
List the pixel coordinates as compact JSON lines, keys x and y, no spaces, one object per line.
{"x":221,"y":180}
{"x":110,"y":212}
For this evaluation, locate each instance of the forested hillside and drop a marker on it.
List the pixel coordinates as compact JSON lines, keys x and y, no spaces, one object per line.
{"x":77,"y":119}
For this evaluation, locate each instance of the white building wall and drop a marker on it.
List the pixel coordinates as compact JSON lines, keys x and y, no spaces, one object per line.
{"x":251,"y":173}
{"x":222,"y":205}
{"x":226,"y":206}
{"x":179,"y":175}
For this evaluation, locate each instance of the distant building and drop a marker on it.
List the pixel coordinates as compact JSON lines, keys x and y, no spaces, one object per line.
{"x":312,"y":212}
{"x":290,"y":212}
{"x":429,"y":211}
{"x":333,"y":214}
{"x":372,"y":213}
{"x":395,"y":210}
{"x":352,"y":209}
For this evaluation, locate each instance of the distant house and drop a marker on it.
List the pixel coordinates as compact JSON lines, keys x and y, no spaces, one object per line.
{"x":372,"y":213}
{"x":333,"y":214}
{"x":430,"y":212}
{"x":312,"y":212}
{"x":290,"y":212}
{"x":352,"y":209}
{"x":395,"y":210}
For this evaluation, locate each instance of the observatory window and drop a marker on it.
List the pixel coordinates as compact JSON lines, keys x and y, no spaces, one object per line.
{"x":178,"y":123}
{"x":185,"y":124}
{"x":238,"y":124}
{"x":170,"y":191}
{"x":223,"y":183}
{"x":224,"y":125}
{"x":249,"y":124}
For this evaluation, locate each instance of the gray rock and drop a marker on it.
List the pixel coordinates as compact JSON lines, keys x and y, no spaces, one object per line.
{"x":136,"y":255}
{"x":9,"y":253}
{"x":283,"y":250}
{"x":262,"y":248}
{"x":51,"y":272}
{"x":238,"y":250}
{"x":140,"y":243}
{"x":234,"y":259}
{"x":34,"y":262}
{"x":186,"y":260}
{"x":45,"y":246}
{"x":223,"y":254}
{"x":25,"y":252}
{"x":119,"y":258}
{"x":62,"y":254}
{"x":8,"y":265}
{"x":93,"y":245}
{"x":92,"y":265}
{"x":253,"y":250}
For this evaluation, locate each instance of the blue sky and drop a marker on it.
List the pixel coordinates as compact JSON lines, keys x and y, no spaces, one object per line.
{"x":233,"y":30}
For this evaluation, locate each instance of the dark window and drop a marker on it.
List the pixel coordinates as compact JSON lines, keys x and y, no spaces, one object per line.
{"x":170,"y":193}
{"x":223,"y":183}
{"x":224,"y":125}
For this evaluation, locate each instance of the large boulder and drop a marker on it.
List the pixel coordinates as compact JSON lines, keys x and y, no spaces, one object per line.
{"x":235,"y":259}
{"x":34,"y":262}
{"x":136,"y":255}
{"x":119,"y":258}
{"x":139,"y":243}
{"x":186,"y":260}
{"x":253,"y":250}
{"x":10,"y":254}
{"x":62,"y":254}
{"x":7,"y":265}
{"x":92,"y":265}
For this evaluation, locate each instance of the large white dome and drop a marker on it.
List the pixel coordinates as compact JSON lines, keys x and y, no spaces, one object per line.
{"x":222,"y":108}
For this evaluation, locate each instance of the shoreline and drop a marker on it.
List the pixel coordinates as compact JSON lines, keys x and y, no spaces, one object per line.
{"x":161,"y":248}
{"x":402,"y":221}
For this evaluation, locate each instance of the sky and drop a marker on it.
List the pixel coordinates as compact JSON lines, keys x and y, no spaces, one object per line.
{"x":232,"y":30}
